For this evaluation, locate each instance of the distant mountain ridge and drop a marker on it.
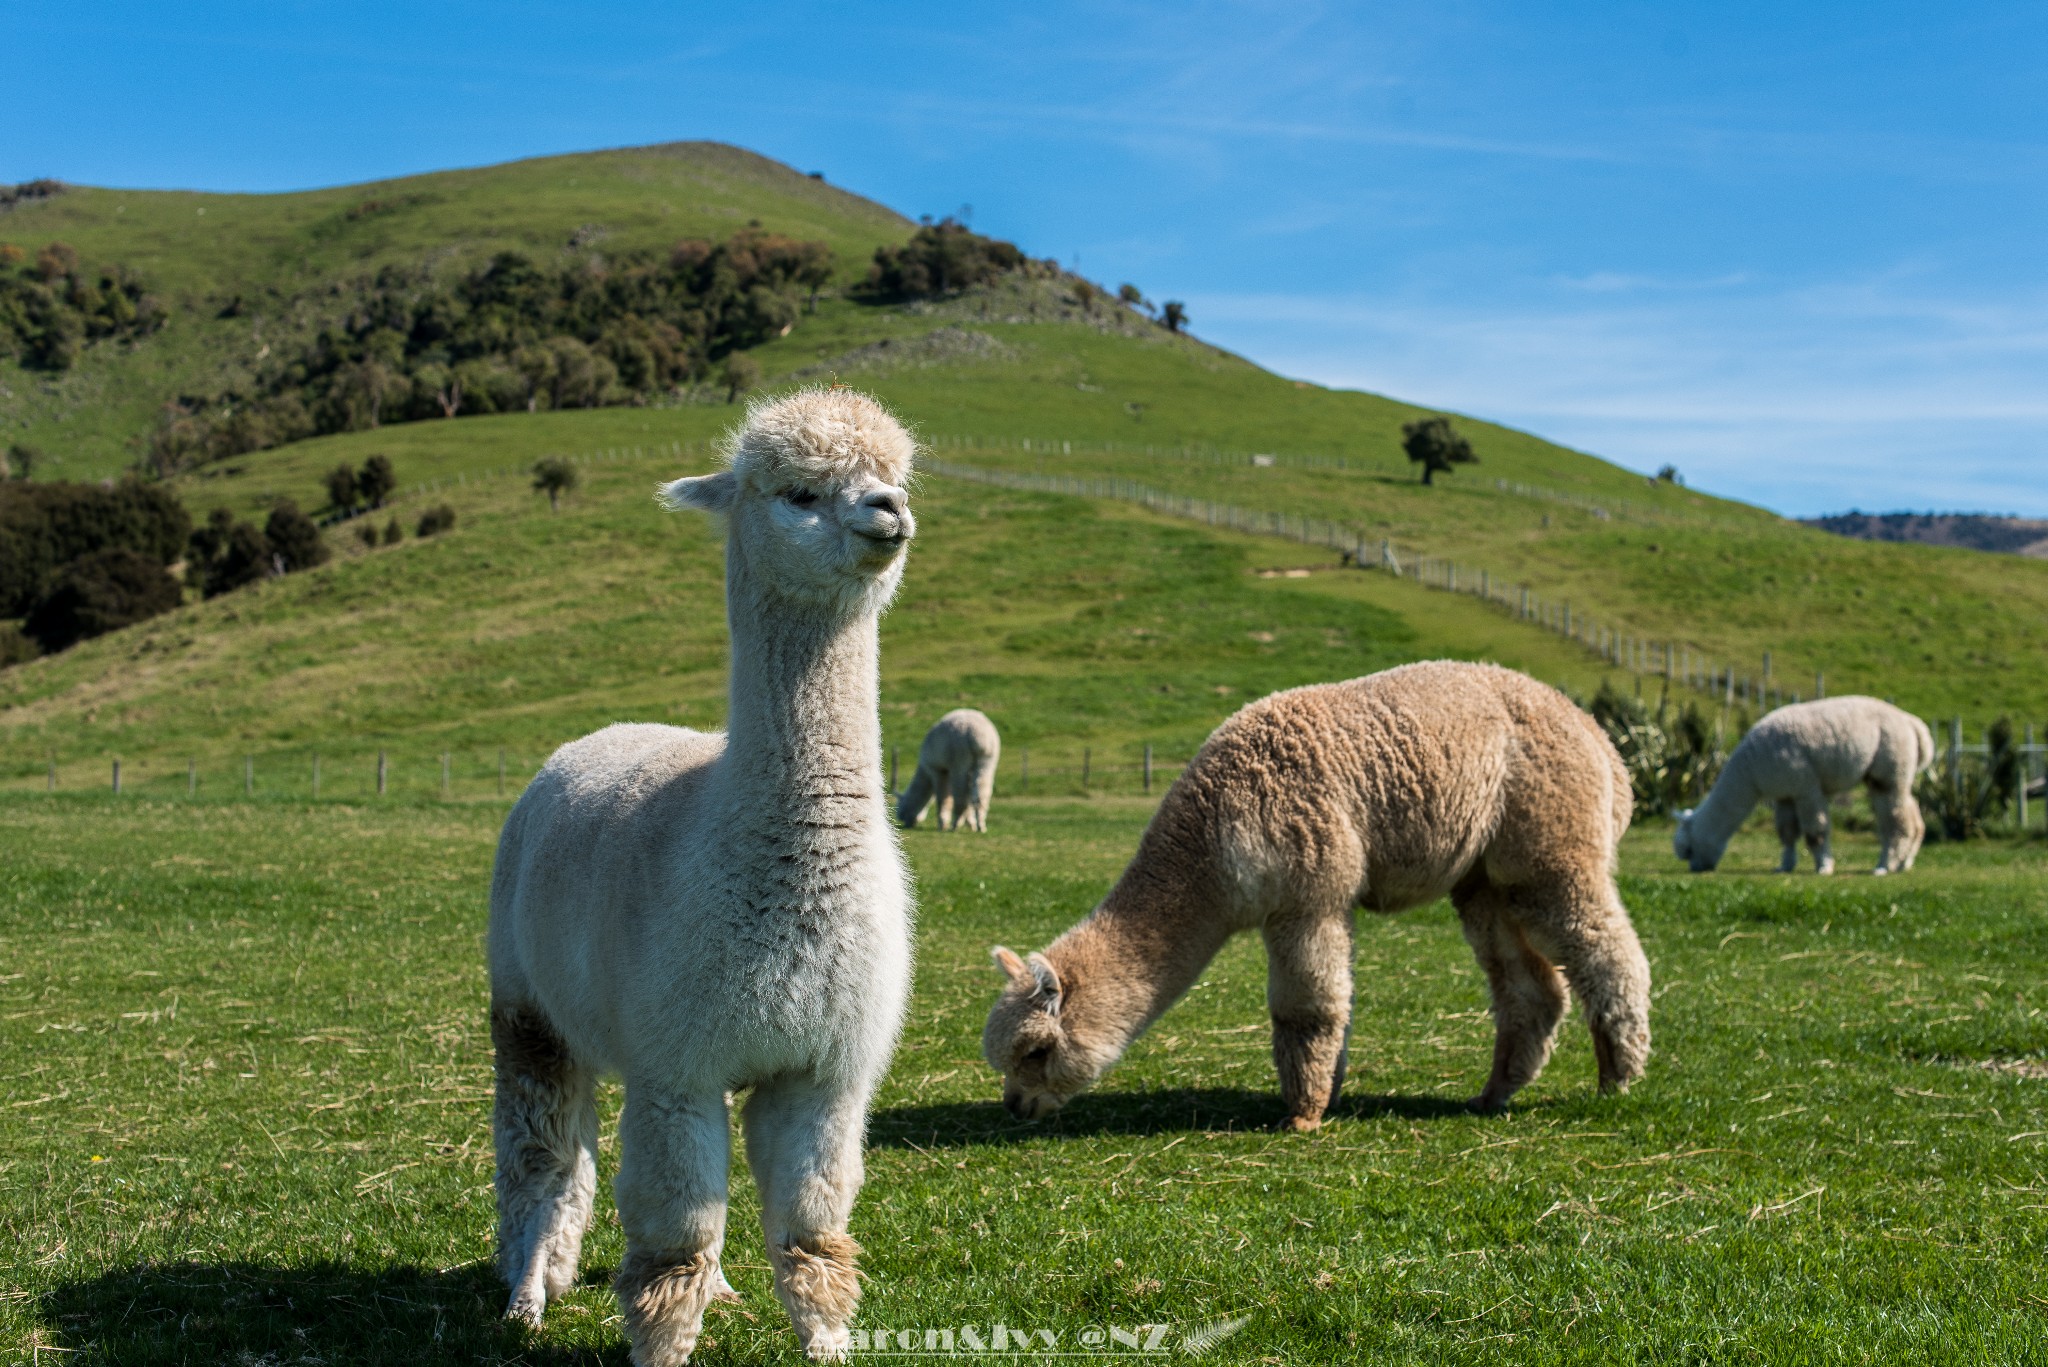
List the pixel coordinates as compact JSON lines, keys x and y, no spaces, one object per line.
{"x":1973,"y":531}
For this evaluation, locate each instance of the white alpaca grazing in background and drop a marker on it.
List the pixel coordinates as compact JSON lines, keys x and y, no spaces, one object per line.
{"x":701,"y":914}
{"x":956,"y":764}
{"x":1797,"y":758}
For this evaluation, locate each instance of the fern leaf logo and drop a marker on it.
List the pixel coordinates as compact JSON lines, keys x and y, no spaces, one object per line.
{"x":1203,"y":1337}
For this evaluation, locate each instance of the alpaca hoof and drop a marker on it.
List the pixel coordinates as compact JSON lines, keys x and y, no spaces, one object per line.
{"x":1486,"y":1103}
{"x":1301,"y":1124}
{"x":723,"y":1291}
{"x":1879,"y":872}
{"x":526,"y":1310}
{"x":829,"y":1347}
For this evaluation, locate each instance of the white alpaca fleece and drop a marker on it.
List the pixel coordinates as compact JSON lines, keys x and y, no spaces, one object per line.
{"x":957,"y":765}
{"x":703,"y":914}
{"x":1797,"y":758}
{"x":819,"y":436}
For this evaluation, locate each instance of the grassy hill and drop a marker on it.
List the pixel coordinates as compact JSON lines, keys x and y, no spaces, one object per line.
{"x":1028,"y":376}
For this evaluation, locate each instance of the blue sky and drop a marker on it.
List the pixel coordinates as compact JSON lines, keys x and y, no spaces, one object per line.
{"x":1795,"y":250}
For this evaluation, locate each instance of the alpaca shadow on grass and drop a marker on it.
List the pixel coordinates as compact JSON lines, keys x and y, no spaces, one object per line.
{"x":327,"y":1312}
{"x":960,"y":1123}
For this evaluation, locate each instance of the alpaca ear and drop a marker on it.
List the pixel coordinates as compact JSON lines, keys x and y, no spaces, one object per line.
{"x":705,"y":493}
{"x":1012,"y":966}
{"x":1047,"y":979}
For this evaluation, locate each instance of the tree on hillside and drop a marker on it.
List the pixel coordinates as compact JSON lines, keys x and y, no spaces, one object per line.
{"x":20,"y":461}
{"x":342,"y":490}
{"x":742,"y":373}
{"x":1133,"y":296}
{"x":377,"y":480}
{"x":554,"y":476}
{"x":1435,"y":445}
{"x":295,"y":542}
{"x":98,"y":593}
{"x":1174,"y":315}
{"x":940,"y":258}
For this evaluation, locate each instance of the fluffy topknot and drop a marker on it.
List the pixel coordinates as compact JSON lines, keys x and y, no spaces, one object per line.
{"x":820,"y":436}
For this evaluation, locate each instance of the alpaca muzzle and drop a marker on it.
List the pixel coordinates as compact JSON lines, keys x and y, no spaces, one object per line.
{"x":884,"y":515}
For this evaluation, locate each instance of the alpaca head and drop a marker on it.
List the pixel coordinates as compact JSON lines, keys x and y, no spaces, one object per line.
{"x":1687,"y":846}
{"x":813,"y":498}
{"x":1027,"y":1042}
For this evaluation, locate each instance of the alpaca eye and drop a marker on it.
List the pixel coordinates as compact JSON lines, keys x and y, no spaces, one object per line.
{"x":799,"y":498}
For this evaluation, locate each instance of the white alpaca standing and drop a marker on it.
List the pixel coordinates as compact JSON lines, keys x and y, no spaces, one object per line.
{"x":1797,"y":758}
{"x":957,"y":764}
{"x":701,"y":914}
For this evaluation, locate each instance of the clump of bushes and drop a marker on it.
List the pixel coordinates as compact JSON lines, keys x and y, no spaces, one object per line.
{"x":228,"y":553}
{"x":940,"y":258}
{"x":511,"y":336}
{"x":1673,"y":754}
{"x":101,"y":592}
{"x":435,"y":520}
{"x":77,"y":560}
{"x":52,"y":307}
{"x":1962,"y":797}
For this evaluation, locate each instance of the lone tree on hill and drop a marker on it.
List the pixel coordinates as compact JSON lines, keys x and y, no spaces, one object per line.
{"x":554,"y":476}
{"x":1435,"y":445}
{"x":1173,"y":314}
{"x":1130,"y":294}
{"x":377,"y":480}
{"x":742,"y":373}
{"x":342,"y":489}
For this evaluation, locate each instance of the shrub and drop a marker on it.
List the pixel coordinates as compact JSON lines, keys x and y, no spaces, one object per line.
{"x":1962,"y":796}
{"x":15,"y":647}
{"x":45,"y":526}
{"x":51,"y":310}
{"x":294,"y":540}
{"x":1173,"y":315}
{"x":742,"y":373}
{"x":393,"y":533}
{"x":554,"y":476}
{"x":20,"y":461}
{"x":228,"y":554}
{"x":940,"y":258}
{"x":367,"y":534}
{"x":377,"y":480}
{"x":434,"y":521}
{"x":1672,"y":756}
{"x":343,"y":491}
{"x":98,"y":593}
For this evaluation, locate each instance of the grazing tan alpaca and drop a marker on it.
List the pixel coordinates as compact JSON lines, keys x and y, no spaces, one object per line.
{"x":1384,"y":792}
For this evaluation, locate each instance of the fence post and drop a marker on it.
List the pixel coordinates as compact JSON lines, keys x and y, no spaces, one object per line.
{"x":1148,"y":766}
{"x":1820,"y":684}
{"x":501,"y":771}
{"x":191,"y":777}
{"x":2026,"y":765}
{"x":316,"y":777}
{"x":1024,"y":778}
{"x":53,"y":775}
{"x":380,"y":773}
{"x":117,"y":775}
{"x":1955,"y":754}
{"x":248,"y":776}
{"x":444,"y":775}
{"x":1084,"y":768}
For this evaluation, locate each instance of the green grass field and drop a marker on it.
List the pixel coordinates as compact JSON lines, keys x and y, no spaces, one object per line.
{"x":247,"y":1118}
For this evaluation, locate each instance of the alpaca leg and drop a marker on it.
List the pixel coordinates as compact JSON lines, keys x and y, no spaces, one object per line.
{"x":544,"y":1123}
{"x":1786,"y":814}
{"x":1529,"y":996}
{"x":1308,"y":991}
{"x":947,"y":815}
{"x":804,"y":1146}
{"x":1913,"y":829}
{"x":964,"y":807}
{"x":1584,"y":928}
{"x":1884,"y":811}
{"x":673,"y":1155}
{"x":984,"y":794}
{"x":1813,"y":822}
{"x":910,"y":807}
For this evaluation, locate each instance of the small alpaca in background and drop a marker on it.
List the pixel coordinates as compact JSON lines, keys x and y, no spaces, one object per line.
{"x":1385,"y":792}
{"x":1798,"y":757}
{"x":702,"y":913}
{"x":956,"y":764}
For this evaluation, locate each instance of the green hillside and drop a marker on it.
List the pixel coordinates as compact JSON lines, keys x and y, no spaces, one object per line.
{"x":1031,"y":376}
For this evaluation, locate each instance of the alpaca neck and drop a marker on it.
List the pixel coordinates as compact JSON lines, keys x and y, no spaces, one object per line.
{"x":804,"y":712}
{"x":1725,"y":807}
{"x":1137,"y":953}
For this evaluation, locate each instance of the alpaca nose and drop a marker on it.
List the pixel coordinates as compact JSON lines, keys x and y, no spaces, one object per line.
{"x":884,"y":515}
